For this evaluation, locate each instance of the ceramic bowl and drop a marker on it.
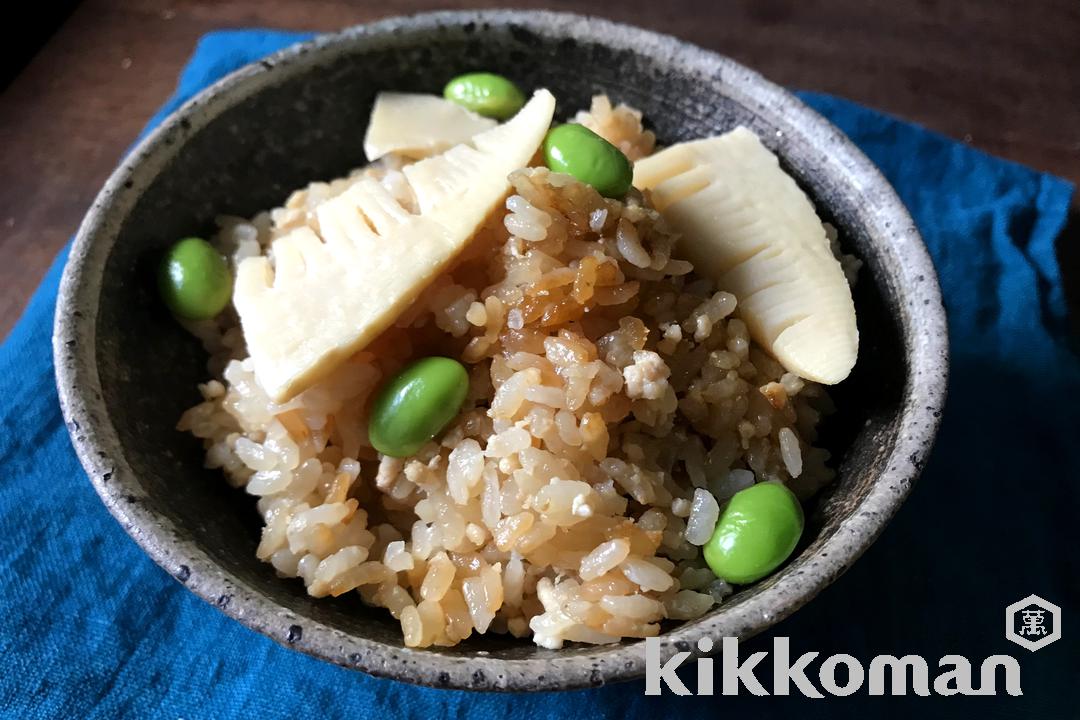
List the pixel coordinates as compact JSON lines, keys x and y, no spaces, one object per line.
{"x":126,"y":371}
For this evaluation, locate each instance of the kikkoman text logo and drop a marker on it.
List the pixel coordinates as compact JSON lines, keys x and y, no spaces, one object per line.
{"x":838,"y":675}
{"x":1032,"y":623}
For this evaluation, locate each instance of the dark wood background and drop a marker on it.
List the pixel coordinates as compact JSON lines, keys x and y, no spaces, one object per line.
{"x":1003,"y":75}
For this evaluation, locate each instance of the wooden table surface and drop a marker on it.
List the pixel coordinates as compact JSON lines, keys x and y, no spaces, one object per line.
{"x":1003,"y":75}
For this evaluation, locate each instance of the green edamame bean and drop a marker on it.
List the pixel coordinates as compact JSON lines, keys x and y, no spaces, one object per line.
{"x":756,"y":532}
{"x":576,"y":150}
{"x":194,"y":280}
{"x":488,"y":94}
{"x":416,"y":405}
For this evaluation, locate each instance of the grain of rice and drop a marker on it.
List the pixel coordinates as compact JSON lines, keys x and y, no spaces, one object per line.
{"x":440,"y":575}
{"x":688,"y":604}
{"x":719,"y":589}
{"x":628,"y":244}
{"x":395,"y":599}
{"x":510,"y":441}
{"x":696,"y":578}
{"x":458,"y":620}
{"x":736,"y":479}
{"x":652,"y":519}
{"x":412,"y":627}
{"x":254,"y":455}
{"x":646,"y":575}
{"x":477,"y":314}
{"x":433,"y":622}
{"x":704,"y":512}
{"x":397,"y":557}
{"x":634,"y":607}
{"x":604,"y":557}
{"x":790,"y":452}
{"x":510,"y":529}
{"x":464,"y":470}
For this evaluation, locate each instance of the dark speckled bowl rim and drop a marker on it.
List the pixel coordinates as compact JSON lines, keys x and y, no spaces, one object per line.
{"x":95,"y":440}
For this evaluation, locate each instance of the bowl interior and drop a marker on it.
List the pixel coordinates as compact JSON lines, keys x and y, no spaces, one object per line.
{"x":304,"y":120}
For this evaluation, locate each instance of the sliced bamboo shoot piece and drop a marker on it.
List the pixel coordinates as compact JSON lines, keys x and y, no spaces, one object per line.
{"x":327,"y":295}
{"x":419,"y":126}
{"x":745,"y":223}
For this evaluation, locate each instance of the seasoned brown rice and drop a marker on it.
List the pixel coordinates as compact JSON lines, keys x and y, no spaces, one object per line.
{"x":616,"y":401}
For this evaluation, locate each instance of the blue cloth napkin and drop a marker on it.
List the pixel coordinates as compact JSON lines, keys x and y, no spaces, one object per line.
{"x":91,"y":628}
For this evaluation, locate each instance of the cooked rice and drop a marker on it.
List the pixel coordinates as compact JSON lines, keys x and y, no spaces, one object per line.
{"x":616,"y":399}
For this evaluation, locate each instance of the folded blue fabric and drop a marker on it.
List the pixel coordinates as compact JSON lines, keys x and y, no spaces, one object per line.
{"x":94,"y":629}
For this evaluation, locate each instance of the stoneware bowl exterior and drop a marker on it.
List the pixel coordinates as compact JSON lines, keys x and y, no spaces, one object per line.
{"x":126,"y":371}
